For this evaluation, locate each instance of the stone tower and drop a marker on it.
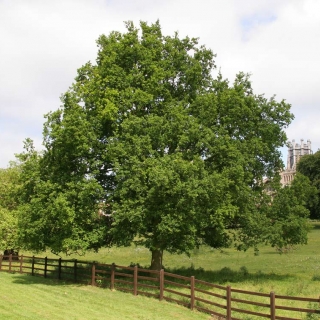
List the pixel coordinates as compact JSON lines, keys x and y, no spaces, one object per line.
{"x":295,"y":152}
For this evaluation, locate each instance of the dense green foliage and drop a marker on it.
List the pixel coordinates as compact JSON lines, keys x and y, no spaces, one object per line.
{"x":9,"y":203}
{"x":309,"y":165}
{"x":285,"y":218}
{"x":53,"y":214}
{"x":170,"y":156}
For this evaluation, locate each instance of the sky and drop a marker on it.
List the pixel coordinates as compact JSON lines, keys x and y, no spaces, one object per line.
{"x":44,"y":42}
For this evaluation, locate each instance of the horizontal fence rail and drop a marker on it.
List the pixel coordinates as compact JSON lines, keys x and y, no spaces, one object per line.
{"x":219,"y":301}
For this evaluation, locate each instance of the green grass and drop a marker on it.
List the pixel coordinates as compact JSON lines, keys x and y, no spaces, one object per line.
{"x":27,"y":297}
{"x":296,"y":273}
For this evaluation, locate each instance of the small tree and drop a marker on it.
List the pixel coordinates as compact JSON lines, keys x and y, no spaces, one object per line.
{"x":57,"y":213}
{"x":9,"y":203}
{"x":285,"y":221}
{"x":309,"y":165}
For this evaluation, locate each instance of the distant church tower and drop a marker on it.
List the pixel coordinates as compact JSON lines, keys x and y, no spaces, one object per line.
{"x":295,"y":152}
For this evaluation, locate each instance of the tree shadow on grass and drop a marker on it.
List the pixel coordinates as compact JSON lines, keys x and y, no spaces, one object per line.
{"x":221,"y":277}
{"x":316,"y":225}
{"x":28,"y":279}
{"x":227,"y":275}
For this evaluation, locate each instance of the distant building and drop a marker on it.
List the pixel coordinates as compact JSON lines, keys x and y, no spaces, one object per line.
{"x":295,"y":152}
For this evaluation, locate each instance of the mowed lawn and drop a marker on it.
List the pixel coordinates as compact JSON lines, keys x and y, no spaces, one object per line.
{"x":295,"y":273}
{"x":26,"y":297}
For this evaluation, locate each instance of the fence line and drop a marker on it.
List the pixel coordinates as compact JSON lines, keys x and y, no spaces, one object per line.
{"x":219,"y":301}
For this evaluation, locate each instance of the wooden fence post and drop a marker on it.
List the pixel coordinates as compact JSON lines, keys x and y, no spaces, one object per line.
{"x":59,"y":269}
{"x":21,"y":263}
{"x":10,"y":262}
{"x":75,"y":266}
{"x":45,"y":266}
{"x":1,"y":257}
{"x":135,"y":280}
{"x":161,"y":284}
{"x":192,"y":297}
{"x":228,"y":302}
{"x":32,"y":266}
{"x":272,"y":305}
{"x":113,"y":267}
{"x":93,"y":274}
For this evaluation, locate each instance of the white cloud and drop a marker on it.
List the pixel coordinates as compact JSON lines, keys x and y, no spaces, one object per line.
{"x":42,"y":43}
{"x":285,"y":58}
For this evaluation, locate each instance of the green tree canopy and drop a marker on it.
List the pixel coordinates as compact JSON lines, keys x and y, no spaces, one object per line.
{"x":309,"y":165}
{"x":171,"y":156}
{"x":9,"y":203}
{"x":285,"y":222}
{"x":58,"y":215}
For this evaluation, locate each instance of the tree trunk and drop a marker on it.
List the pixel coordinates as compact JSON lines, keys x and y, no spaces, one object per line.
{"x":156,"y":259}
{"x":14,"y":253}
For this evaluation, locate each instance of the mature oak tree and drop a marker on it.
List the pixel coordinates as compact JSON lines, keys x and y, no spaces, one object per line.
{"x":171,"y":157}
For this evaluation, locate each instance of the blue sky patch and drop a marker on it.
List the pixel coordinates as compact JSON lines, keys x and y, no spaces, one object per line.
{"x":249,"y":23}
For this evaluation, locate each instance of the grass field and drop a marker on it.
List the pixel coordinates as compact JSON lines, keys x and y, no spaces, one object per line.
{"x":296,"y":273}
{"x":26,"y":297}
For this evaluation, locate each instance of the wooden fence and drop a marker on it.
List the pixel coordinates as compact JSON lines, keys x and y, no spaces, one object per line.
{"x":222,"y":302}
